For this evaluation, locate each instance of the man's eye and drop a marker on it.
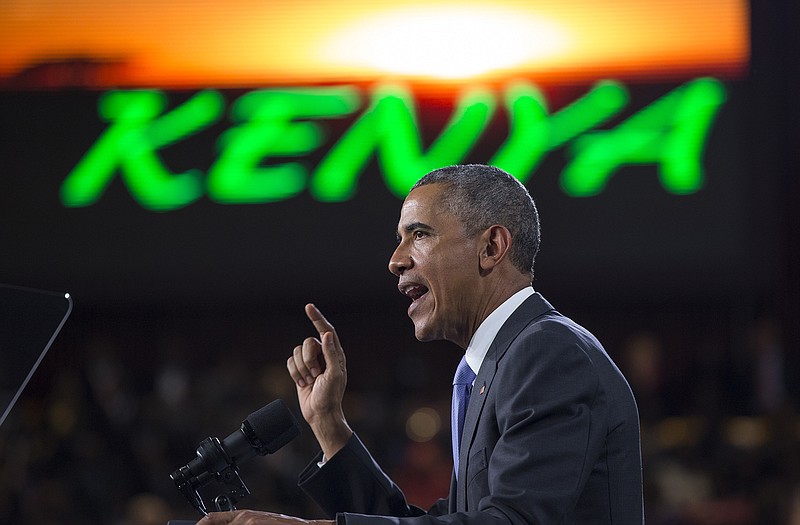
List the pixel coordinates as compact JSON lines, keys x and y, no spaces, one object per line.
{"x":419,"y":234}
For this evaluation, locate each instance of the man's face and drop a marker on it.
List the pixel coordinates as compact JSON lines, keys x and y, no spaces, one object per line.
{"x":438,"y":268}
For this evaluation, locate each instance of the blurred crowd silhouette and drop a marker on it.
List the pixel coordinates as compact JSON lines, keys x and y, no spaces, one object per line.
{"x":118,"y":405}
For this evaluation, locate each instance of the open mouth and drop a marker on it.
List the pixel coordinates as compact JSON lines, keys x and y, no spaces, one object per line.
{"x":414,"y":291}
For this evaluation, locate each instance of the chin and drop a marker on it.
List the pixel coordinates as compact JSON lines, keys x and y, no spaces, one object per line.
{"x":422,"y":334}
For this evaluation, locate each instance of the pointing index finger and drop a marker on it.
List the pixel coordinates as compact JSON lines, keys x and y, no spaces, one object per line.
{"x":320,"y":323}
{"x":332,"y":350}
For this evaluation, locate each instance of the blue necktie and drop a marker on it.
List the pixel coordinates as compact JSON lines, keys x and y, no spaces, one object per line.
{"x":462,"y":386}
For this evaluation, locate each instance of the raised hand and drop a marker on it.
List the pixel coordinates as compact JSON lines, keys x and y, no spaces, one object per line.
{"x":318,"y":369}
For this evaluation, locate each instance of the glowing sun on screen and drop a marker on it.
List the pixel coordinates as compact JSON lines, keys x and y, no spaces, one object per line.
{"x":447,"y":42}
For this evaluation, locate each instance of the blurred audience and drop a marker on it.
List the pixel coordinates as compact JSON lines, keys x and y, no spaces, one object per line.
{"x":100,"y":428}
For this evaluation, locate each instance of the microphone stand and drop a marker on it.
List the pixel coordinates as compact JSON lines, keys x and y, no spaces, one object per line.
{"x":220,"y":468}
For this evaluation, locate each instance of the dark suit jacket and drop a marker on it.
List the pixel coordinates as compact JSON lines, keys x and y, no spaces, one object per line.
{"x":551,"y":436}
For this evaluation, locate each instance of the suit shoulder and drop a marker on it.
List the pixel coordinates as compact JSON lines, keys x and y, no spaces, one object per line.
{"x":553,"y":325}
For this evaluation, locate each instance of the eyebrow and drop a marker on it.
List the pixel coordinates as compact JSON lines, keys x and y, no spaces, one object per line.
{"x":408,"y":228}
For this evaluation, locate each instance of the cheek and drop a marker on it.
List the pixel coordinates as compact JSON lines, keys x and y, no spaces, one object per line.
{"x":448,"y":292}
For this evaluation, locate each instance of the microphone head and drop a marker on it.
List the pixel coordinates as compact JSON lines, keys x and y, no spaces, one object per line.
{"x":274,"y":425}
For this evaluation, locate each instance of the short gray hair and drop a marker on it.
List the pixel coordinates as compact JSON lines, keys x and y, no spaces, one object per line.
{"x":481,"y":196}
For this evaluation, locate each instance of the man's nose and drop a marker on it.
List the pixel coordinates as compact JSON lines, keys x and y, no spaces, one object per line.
{"x":399,"y":262}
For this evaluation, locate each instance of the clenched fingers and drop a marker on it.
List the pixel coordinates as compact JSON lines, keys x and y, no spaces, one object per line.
{"x":306,"y":362}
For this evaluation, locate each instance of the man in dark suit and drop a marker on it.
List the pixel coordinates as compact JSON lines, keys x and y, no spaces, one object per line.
{"x":551,"y":430}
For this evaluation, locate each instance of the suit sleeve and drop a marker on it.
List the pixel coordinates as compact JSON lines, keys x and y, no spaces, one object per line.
{"x":351,"y":481}
{"x":353,"y":488}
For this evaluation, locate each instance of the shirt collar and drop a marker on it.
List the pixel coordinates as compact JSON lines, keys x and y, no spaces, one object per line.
{"x":487,"y":331}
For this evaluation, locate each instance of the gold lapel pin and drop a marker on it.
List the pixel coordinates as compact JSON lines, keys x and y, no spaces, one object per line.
{"x":483,"y":389}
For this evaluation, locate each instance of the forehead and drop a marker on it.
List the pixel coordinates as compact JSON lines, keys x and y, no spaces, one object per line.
{"x":424,"y":208}
{"x":423,"y":204}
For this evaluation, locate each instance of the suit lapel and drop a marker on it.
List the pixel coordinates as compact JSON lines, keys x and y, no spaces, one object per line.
{"x":533,"y":307}
{"x":452,"y":498}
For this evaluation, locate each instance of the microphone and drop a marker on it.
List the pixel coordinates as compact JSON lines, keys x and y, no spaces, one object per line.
{"x":263,"y":432}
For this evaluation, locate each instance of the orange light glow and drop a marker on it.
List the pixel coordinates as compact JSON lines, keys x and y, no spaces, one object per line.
{"x":252,"y":42}
{"x":447,"y":41}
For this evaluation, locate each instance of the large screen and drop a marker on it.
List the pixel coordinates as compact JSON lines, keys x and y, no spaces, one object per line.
{"x":262,"y":149}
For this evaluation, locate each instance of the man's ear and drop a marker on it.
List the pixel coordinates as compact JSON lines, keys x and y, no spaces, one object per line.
{"x":495,"y":246}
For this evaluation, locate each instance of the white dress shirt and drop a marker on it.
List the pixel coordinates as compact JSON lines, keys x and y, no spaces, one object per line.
{"x":487,"y":331}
